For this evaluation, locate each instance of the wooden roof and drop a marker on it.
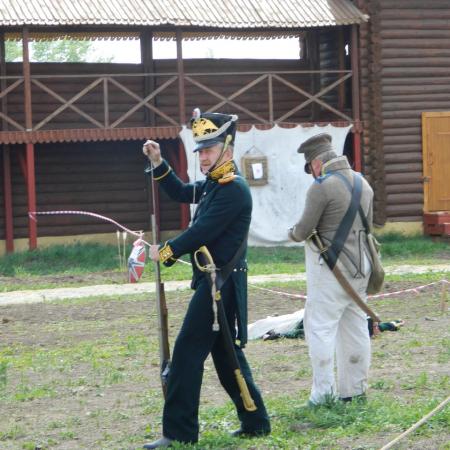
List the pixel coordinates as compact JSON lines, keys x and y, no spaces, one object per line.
{"x":229,"y":15}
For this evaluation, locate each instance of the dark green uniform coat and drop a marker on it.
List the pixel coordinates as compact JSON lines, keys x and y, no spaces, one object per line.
{"x":221,"y":223}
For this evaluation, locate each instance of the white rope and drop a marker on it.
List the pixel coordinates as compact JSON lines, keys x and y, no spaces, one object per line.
{"x":417,"y":424}
{"x":387,"y":294}
{"x":138,"y":234}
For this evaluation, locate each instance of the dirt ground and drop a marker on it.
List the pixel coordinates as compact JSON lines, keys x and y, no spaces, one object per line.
{"x":86,"y":375}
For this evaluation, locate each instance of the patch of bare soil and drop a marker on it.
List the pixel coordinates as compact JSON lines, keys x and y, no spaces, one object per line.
{"x":87,"y":372}
{"x":65,"y":279}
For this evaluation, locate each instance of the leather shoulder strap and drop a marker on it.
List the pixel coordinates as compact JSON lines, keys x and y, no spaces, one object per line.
{"x":360,"y":210}
{"x":347,"y":221}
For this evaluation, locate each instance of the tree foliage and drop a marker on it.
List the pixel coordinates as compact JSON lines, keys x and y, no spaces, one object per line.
{"x":60,"y":51}
{"x":13,"y":51}
{"x":63,"y":50}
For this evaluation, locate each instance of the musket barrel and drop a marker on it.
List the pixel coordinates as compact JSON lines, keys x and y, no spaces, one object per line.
{"x":161,"y":311}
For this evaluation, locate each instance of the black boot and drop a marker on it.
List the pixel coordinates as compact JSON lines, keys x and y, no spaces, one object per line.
{"x":249,"y":433}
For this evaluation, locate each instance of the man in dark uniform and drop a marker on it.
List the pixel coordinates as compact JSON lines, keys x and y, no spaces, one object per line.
{"x":221,"y":223}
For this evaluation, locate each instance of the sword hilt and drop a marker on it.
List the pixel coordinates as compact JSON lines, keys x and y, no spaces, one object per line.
{"x":314,"y":236}
{"x":209,"y":266}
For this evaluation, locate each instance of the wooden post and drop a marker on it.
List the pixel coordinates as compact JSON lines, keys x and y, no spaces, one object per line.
{"x":356,"y":100}
{"x":27,"y":80}
{"x":7,"y":185}
{"x":9,"y":229}
{"x":148,"y":66}
{"x":270,"y":90}
{"x":184,"y":223}
{"x":31,"y":186}
{"x":31,"y":191}
{"x":341,"y":63}
{"x":180,"y":69}
{"x":314,"y":64}
{"x":182,"y":173}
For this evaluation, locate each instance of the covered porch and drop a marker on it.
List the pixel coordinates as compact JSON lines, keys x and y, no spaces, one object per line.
{"x":51,"y":103}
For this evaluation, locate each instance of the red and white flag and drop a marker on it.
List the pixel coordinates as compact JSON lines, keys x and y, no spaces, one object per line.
{"x":136,"y":261}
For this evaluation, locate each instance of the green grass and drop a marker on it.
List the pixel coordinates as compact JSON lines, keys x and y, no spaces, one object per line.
{"x":81,"y":359}
{"x":60,"y":259}
{"x":415,"y":249}
{"x":64,"y":262}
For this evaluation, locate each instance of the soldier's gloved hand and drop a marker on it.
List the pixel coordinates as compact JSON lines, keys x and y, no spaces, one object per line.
{"x":154,"y":252}
{"x":152,"y":151}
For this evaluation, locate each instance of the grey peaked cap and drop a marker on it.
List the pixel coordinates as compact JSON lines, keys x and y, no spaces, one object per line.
{"x":315,"y":146}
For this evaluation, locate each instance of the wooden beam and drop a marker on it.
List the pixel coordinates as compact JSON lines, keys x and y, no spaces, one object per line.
{"x":148,"y":67}
{"x":356,"y":101}
{"x":270,"y":89}
{"x":180,"y":69}
{"x":182,"y":173}
{"x":314,"y":64}
{"x":341,"y":63}
{"x":31,"y":191}
{"x":27,"y":80}
{"x":30,"y":178}
{"x":7,"y":185}
{"x":228,"y":100}
{"x":68,"y":103}
{"x":313,"y":98}
{"x":7,"y":194}
{"x":143,"y":102}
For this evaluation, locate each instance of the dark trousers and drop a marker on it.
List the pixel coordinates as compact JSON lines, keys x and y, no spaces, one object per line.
{"x":193,"y":344}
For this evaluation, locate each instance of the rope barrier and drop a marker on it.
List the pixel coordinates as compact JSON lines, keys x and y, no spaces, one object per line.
{"x":138,"y":234}
{"x":417,"y":424}
{"x":287,"y":294}
{"x":387,"y":294}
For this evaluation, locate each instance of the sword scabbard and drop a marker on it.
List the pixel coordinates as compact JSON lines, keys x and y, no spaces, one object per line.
{"x":209,"y":267}
{"x":249,"y":404}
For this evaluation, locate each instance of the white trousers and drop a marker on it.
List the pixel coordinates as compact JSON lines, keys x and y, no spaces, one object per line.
{"x":336,"y":331}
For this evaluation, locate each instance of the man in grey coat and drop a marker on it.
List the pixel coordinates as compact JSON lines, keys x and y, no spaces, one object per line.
{"x":335,"y":327}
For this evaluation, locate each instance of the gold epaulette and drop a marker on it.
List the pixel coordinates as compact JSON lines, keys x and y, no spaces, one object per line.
{"x":227,"y":178}
{"x":166,"y":253}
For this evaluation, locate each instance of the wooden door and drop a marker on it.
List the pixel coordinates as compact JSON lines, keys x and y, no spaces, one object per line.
{"x":436,"y":160}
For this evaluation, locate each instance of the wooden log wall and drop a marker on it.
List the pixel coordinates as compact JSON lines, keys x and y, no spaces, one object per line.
{"x":106,"y":178}
{"x":405,"y":63}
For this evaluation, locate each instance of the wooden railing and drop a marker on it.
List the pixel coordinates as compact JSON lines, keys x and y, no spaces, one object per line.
{"x":149,"y":100}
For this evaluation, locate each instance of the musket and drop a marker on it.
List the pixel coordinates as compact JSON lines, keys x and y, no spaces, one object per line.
{"x":341,"y":278}
{"x":161,"y":308}
{"x":209,"y":268}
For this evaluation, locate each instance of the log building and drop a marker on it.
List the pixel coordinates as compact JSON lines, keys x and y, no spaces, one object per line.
{"x":405,"y":108}
{"x":72,"y":133}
